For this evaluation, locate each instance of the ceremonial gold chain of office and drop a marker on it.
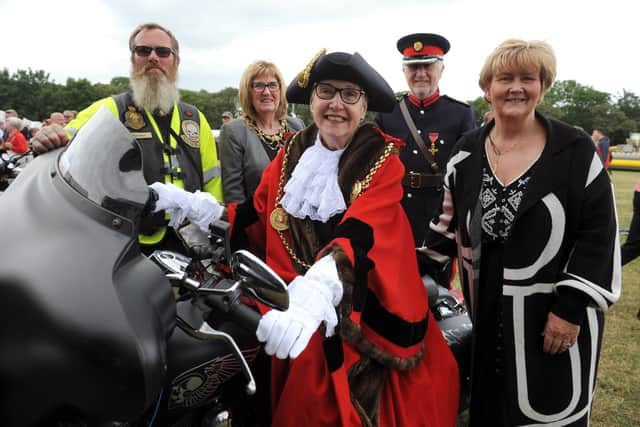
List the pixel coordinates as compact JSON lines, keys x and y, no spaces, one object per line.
{"x":278,"y":217}
{"x":275,"y":141}
{"x":361,"y":185}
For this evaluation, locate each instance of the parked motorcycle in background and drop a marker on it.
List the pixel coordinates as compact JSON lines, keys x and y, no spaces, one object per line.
{"x":10,"y":167}
{"x":95,"y":333}
{"x":450,"y":311}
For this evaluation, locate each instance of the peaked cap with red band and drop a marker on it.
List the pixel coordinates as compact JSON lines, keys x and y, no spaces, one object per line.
{"x":422,"y":48}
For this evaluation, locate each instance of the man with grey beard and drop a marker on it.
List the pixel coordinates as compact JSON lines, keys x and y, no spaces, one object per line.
{"x":177,"y":143}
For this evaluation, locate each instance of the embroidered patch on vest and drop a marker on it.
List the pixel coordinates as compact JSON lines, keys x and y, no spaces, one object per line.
{"x":133,"y":119}
{"x":191,"y":133}
{"x":141,"y":135}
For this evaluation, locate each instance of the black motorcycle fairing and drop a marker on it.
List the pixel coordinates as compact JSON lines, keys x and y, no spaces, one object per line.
{"x":84,"y":316}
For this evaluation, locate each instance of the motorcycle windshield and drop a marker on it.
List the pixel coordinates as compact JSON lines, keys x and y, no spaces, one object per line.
{"x":104,"y":163}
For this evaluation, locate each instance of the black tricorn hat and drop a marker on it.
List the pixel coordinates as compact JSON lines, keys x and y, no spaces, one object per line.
{"x":422,"y":48}
{"x":342,"y":66}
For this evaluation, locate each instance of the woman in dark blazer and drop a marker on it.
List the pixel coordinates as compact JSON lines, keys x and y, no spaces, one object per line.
{"x":248,"y":144}
{"x":529,"y":211}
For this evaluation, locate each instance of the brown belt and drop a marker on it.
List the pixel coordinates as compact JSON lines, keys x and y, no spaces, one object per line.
{"x":422,"y":180}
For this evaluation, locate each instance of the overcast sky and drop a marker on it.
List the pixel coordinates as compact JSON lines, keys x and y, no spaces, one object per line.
{"x":596,"y":42}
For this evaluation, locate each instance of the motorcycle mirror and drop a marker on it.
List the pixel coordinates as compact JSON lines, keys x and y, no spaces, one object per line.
{"x":259,"y":280}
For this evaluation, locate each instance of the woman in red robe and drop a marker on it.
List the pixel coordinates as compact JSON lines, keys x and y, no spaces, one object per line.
{"x":358,"y":345}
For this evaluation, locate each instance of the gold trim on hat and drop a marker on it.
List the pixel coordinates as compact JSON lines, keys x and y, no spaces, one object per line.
{"x":417,"y":46}
{"x":304,"y":75}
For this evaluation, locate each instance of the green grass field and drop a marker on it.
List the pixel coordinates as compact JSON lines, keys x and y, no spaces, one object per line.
{"x":617,"y":399}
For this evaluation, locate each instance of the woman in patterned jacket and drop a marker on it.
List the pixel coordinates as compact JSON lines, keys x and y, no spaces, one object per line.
{"x":528,"y":209}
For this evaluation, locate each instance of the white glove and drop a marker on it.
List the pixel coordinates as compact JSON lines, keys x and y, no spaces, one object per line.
{"x":312,"y":300}
{"x":200,"y":208}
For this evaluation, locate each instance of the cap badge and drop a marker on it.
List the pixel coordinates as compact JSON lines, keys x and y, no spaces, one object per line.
{"x":417,"y":46}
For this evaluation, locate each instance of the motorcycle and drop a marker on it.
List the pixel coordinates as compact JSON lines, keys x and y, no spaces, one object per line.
{"x":449,"y":310}
{"x":96,"y":333}
{"x":11,"y":166}
{"x":113,"y":337}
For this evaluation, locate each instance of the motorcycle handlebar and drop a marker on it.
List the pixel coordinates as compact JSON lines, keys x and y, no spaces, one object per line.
{"x":246,"y":316}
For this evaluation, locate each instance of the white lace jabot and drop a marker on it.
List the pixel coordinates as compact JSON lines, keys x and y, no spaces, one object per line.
{"x":313,"y":190}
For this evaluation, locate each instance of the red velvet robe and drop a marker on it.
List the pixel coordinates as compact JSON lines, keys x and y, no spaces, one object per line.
{"x":304,"y":390}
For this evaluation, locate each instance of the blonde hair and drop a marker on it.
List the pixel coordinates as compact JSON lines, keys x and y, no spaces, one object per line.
{"x":516,"y":54}
{"x":251,"y":72}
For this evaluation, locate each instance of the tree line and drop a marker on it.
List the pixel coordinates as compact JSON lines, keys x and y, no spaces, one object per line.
{"x":587,"y":108}
{"x":35,"y":95}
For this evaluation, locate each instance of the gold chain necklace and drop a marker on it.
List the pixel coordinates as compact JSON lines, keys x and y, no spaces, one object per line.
{"x":497,"y":153}
{"x":275,"y":141}
{"x":279,"y":218}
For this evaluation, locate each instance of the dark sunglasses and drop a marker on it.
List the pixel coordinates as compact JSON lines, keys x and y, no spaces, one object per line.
{"x":161,"y":51}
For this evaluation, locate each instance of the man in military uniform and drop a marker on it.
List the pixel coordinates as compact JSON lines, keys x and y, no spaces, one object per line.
{"x":438,"y":120}
{"x":177,"y":143}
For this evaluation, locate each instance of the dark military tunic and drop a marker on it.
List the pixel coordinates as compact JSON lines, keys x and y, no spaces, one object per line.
{"x":443,"y":120}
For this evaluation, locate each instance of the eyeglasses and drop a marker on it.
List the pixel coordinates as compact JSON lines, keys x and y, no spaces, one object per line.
{"x":161,"y":51}
{"x":349,"y":95}
{"x":261,"y":86}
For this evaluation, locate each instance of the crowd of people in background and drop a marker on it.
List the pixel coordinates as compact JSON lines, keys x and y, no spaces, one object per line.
{"x":421,"y":176}
{"x":10,"y":122}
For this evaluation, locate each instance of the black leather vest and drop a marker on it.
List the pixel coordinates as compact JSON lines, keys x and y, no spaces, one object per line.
{"x":183,"y":161}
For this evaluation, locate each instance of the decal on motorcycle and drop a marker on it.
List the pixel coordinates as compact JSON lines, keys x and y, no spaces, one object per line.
{"x":133,"y":119}
{"x":196,"y":387}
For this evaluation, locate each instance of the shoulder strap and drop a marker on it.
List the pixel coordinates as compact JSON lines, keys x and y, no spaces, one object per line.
{"x":121,"y":100}
{"x":416,"y":136}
